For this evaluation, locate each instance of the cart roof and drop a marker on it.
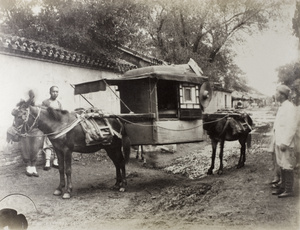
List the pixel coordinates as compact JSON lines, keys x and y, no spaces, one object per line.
{"x":180,"y":73}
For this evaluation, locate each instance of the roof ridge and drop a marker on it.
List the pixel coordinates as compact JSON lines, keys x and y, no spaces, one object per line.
{"x":21,"y":46}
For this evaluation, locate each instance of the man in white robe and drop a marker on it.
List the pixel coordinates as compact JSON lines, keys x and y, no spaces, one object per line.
{"x":284,"y":129}
{"x":296,"y":101}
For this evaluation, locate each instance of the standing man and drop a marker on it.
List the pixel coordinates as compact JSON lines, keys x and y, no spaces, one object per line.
{"x":296,"y":101}
{"x":48,"y":148}
{"x":284,"y":129}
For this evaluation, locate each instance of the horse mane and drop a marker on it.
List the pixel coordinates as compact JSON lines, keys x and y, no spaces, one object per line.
{"x":56,"y":114}
{"x":21,"y":103}
{"x":25,"y":104}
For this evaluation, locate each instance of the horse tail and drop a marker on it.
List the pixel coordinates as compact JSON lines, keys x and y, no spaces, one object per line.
{"x":126,"y":145}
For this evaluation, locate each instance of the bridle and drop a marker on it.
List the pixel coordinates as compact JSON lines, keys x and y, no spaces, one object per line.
{"x":25,"y":126}
{"x":28,"y":128}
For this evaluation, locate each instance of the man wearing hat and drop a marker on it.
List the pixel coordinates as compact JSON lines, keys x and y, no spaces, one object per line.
{"x":296,"y":101}
{"x":284,"y":130}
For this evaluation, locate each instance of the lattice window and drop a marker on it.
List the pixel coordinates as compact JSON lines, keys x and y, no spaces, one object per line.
{"x":189,"y":96}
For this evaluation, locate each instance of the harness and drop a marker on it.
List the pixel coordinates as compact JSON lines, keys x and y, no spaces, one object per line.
{"x":24,"y":125}
{"x":238,"y":125}
{"x":87,"y":122}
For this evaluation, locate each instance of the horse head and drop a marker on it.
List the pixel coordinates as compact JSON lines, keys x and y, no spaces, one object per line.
{"x":21,"y":112}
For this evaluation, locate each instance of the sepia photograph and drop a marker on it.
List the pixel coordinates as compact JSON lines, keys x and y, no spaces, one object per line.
{"x":150,"y":114}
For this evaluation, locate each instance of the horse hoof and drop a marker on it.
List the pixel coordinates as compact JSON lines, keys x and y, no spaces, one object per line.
{"x":239,"y":166}
{"x":66,"y":196}
{"x":209,"y":172}
{"x":220,"y":172}
{"x":115,"y":187}
{"x":122,"y":189}
{"x":57,"y":192}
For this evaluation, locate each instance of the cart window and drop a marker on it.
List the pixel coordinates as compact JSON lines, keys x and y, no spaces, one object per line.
{"x":189,"y":96}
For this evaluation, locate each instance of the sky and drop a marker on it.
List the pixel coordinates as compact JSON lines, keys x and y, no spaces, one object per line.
{"x":263,"y":53}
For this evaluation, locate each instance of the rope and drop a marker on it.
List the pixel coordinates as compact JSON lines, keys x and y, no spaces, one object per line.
{"x":118,"y":96}
{"x":125,"y":120}
{"x":137,"y":124}
{"x":57,"y":133}
{"x":195,"y":127}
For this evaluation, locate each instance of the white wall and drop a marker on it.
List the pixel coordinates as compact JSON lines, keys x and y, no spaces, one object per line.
{"x":218,"y":102}
{"x":18,"y":75}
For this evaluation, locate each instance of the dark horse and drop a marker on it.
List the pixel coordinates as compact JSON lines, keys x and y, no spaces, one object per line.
{"x":67,"y":136}
{"x":224,"y":129}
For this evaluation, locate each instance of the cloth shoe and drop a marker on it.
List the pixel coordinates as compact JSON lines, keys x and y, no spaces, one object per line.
{"x":46,"y":168}
{"x":47,"y":165}
{"x":55,"y":163}
{"x":48,"y":153}
{"x":34,"y":172}
{"x":28,"y":171}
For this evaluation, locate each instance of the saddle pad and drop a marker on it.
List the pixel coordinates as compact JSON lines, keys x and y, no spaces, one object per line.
{"x":97,"y":131}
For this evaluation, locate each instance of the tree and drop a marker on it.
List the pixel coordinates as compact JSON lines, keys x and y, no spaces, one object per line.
{"x":175,"y":31}
{"x":296,"y":20}
{"x":206,"y":30}
{"x":287,"y":74}
{"x":91,"y":27}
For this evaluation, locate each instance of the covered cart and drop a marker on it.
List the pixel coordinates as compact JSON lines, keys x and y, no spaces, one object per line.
{"x":159,"y":104}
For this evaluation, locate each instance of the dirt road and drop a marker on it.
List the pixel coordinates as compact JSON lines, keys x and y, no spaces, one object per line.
{"x":172,"y":192}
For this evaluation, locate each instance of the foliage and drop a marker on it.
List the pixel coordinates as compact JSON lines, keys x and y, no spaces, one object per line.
{"x":296,"y":20}
{"x":174,"y":31}
{"x":206,"y":30}
{"x":89,"y":26}
{"x":289,"y":73}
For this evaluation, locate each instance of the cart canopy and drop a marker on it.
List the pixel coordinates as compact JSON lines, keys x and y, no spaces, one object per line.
{"x":180,"y":73}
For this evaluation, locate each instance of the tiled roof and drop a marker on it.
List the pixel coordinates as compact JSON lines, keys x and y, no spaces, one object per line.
{"x":146,"y":58}
{"x":18,"y":46}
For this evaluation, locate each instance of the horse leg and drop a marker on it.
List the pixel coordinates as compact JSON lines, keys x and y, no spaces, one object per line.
{"x":33,"y":160}
{"x":141,"y":151}
{"x":220,"y":171}
{"x":121,"y":169}
{"x":118,"y":183}
{"x":61,"y":170}
{"x":214,"y":144}
{"x":137,"y":153}
{"x":115,"y":154}
{"x":68,"y":172}
{"x":25,"y":150}
{"x":242,"y":153}
{"x":123,"y":176}
{"x":142,"y":156}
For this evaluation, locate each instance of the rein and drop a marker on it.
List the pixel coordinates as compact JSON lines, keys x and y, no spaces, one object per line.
{"x":63,"y":131}
{"x":55,"y":134}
